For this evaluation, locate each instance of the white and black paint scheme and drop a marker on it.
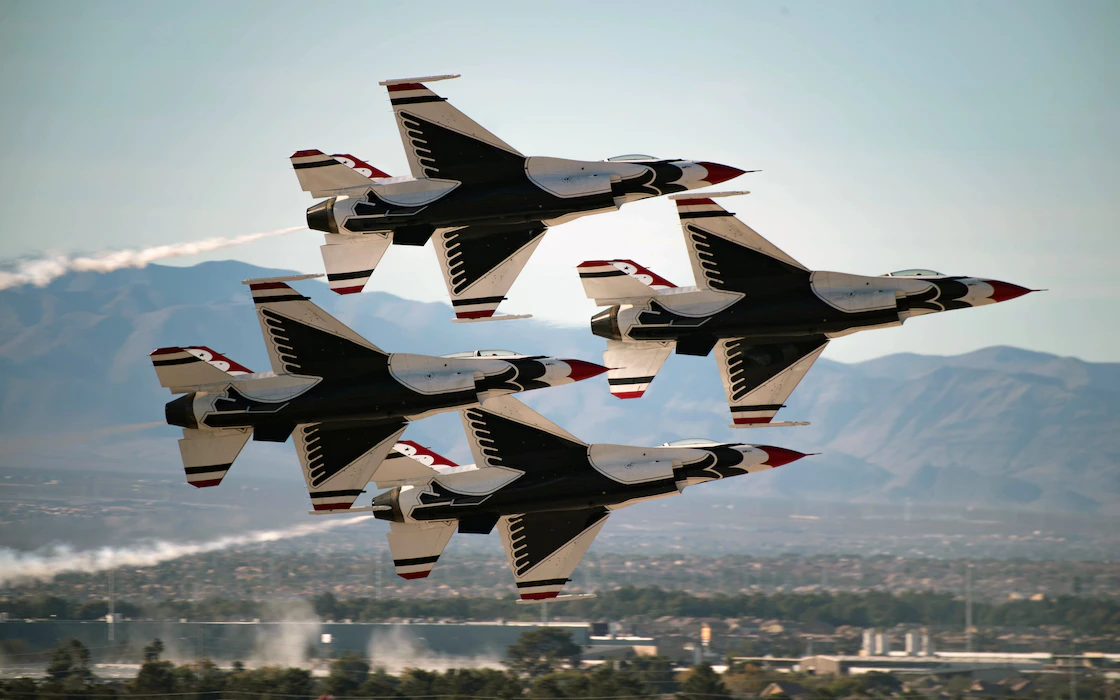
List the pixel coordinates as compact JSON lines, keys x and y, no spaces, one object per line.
{"x":484,"y":205}
{"x":345,"y":400}
{"x":547,"y":492}
{"x":766,"y":315}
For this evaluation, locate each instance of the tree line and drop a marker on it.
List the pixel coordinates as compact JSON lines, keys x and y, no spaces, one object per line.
{"x":1093,"y":616}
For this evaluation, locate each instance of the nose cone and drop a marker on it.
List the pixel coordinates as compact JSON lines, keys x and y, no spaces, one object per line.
{"x":719,"y":173}
{"x":581,"y":370}
{"x":1002,"y":291}
{"x":780,"y":455}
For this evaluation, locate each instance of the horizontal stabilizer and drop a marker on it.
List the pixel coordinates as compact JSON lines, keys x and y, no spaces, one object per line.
{"x":416,"y":547}
{"x":323,"y":175}
{"x":208,"y":454}
{"x":606,"y":281}
{"x":632,"y":366}
{"x":180,"y":369}
{"x":350,"y":259}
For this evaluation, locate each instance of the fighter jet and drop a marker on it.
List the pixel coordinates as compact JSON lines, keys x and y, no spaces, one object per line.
{"x":346,"y":401}
{"x":485,"y":205}
{"x":548,"y":492}
{"x":767,"y":316}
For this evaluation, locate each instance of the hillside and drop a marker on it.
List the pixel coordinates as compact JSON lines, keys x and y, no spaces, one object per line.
{"x":999,"y":427}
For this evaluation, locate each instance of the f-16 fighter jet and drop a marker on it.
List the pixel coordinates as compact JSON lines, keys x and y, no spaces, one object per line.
{"x":346,"y":400}
{"x":767,"y":316}
{"x":484,"y":204}
{"x":548,"y":492}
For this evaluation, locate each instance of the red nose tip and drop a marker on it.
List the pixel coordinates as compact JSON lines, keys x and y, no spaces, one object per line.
{"x":1002,"y":291}
{"x":780,"y":455}
{"x":719,"y":173}
{"x":583,"y":370}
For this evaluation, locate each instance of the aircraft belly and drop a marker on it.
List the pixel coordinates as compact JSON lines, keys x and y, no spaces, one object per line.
{"x":560,"y":494}
{"x":802,"y":315}
{"x":495,"y":203}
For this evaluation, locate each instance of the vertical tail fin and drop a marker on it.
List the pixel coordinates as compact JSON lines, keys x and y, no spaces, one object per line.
{"x":360,"y":166}
{"x":609,"y":280}
{"x":323,"y":175}
{"x":181,"y":368}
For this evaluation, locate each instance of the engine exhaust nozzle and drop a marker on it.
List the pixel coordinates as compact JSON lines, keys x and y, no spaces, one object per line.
{"x":320,"y":217}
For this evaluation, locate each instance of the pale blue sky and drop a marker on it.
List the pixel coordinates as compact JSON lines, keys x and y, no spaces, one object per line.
{"x":969,"y":137}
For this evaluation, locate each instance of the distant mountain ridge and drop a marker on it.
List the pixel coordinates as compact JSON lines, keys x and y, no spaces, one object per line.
{"x":1000,"y":426}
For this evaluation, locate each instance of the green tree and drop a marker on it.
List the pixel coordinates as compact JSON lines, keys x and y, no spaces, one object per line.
{"x":155,"y":677}
{"x":153,"y":651}
{"x":379,"y":685}
{"x":348,"y":672}
{"x":703,"y":684}
{"x":70,"y":663}
{"x":326,"y":606}
{"x":655,"y":673}
{"x":19,"y":689}
{"x":270,"y":682}
{"x":542,"y":651}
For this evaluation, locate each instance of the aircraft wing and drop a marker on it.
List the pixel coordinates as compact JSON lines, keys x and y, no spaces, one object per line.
{"x":338,"y":461}
{"x":545,"y":548}
{"x":416,"y":546}
{"x":759,"y":376}
{"x":632,"y":366}
{"x":443,"y":143}
{"x":726,"y":254}
{"x":305,"y":340}
{"x":481,"y":263}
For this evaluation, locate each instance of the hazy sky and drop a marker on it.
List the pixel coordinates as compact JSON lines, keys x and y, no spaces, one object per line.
{"x":973,"y":138}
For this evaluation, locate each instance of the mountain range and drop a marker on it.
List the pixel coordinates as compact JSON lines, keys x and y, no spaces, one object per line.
{"x":999,"y":427}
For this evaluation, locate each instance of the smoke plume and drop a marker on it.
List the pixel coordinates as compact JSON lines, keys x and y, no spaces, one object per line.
{"x":42,"y":271}
{"x":47,"y":563}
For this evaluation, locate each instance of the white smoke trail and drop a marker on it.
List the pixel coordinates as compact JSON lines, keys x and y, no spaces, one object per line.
{"x":51,"y":561}
{"x":42,"y":271}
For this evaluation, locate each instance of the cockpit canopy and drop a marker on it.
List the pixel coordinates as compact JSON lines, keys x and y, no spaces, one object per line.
{"x":630,"y":157}
{"x":483,"y":353}
{"x":916,"y":272}
{"x":691,"y":442}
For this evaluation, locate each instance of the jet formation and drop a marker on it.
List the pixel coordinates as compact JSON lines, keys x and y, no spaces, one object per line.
{"x":767,"y":316}
{"x":346,"y":403}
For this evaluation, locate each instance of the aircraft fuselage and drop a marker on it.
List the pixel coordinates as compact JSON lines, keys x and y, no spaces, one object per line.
{"x":399,"y":386}
{"x":572,"y":476}
{"x":547,"y":190}
{"x":816,"y":303}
